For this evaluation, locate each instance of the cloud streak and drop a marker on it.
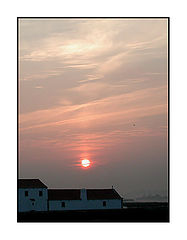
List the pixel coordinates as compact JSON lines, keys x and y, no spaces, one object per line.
{"x":93,"y":88}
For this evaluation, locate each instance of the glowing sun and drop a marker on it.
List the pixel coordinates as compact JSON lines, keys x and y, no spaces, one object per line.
{"x":85,"y":163}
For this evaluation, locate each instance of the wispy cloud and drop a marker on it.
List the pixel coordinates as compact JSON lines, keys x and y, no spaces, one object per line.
{"x":118,"y":106}
{"x":94,"y":88}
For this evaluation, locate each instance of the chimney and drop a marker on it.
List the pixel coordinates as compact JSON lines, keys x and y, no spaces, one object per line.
{"x":83,"y":194}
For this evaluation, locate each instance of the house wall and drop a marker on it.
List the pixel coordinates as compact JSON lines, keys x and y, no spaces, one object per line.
{"x":56,"y":205}
{"x":26,"y":204}
{"x":98,"y":204}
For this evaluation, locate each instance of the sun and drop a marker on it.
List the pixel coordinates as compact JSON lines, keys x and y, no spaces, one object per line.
{"x":85,"y":163}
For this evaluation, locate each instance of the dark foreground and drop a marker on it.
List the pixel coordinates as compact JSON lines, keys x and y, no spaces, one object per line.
{"x":135,"y":212}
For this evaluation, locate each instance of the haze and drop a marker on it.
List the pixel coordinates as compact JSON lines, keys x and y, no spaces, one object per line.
{"x":94,"y":89}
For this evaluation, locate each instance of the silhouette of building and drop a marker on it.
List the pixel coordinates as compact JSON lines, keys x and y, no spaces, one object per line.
{"x":79,"y":199}
{"x":34,"y":196}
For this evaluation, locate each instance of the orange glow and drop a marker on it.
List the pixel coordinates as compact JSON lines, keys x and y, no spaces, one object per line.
{"x":85,"y":163}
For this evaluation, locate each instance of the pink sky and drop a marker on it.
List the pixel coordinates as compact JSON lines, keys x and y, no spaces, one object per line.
{"x":96,"y":89}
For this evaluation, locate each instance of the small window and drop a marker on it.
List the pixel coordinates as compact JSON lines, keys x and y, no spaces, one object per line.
{"x":63,"y":204}
{"x":40,"y":193}
{"x":104,"y":203}
{"x":26,"y":193}
{"x":33,"y":203}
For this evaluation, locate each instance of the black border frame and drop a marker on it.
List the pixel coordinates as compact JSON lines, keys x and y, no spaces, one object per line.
{"x":168,"y":98}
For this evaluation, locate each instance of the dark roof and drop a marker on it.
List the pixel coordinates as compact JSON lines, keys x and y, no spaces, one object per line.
{"x":94,"y":194}
{"x":30,"y":183}
{"x":64,"y":194}
{"x":74,"y":194}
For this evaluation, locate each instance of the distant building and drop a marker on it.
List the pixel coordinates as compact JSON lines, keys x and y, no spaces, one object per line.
{"x":30,"y":198}
{"x":32,"y":195}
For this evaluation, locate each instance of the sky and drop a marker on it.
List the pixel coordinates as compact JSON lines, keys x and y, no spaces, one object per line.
{"x":94,"y":89}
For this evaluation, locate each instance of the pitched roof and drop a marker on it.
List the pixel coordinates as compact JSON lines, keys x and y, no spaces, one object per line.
{"x":74,"y":194}
{"x":94,"y":194}
{"x":30,"y":183}
{"x":64,"y":194}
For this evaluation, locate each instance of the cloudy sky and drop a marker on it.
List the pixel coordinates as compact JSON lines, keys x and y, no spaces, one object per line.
{"x":94,"y":89}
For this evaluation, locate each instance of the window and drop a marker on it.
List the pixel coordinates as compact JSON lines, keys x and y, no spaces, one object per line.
{"x":104,"y":203}
{"x":63,"y":204}
{"x":40,"y":193}
{"x":26,"y":193}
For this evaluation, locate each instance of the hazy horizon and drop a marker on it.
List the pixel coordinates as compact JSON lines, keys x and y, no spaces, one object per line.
{"x":94,"y":89}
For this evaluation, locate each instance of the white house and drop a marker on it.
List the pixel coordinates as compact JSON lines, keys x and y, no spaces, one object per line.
{"x":32,"y":195}
{"x":83,"y":199}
